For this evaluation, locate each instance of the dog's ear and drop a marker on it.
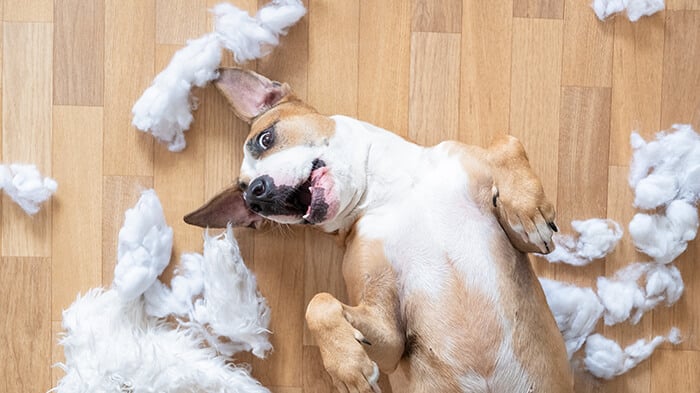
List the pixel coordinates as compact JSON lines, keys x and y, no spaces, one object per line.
{"x":227,"y":207}
{"x":249,"y":94}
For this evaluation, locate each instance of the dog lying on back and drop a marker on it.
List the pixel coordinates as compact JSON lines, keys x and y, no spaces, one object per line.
{"x":435,"y":264}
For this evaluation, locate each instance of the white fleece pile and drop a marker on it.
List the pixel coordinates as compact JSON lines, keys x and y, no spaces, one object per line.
{"x":576,"y":310}
{"x":112,"y":345}
{"x":25,"y":185}
{"x":665,"y":176}
{"x":596,"y":238}
{"x":635,"y":8}
{"x":118,"y":341}
{"x":606,"y":359}
{"x":165,"y":108}
{"x":145,"y":244}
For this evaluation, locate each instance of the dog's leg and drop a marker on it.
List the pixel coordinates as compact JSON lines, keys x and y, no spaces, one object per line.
{"x":518,"y":197}
{"x":358,"y":341}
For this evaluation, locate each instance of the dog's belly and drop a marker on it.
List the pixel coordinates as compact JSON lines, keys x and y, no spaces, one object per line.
{"x":458,"y":334}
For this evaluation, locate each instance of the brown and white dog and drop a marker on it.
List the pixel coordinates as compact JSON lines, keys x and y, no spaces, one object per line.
{"x":435,"y":239}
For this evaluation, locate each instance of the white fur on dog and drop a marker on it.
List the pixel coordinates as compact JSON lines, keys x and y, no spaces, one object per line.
{"x":165,"y":108}
{"x":635,"y":8}
{"x":117,"y":341}
{"x":596,"y":239}
{"x":25,"y":185}
{"x":606,"y":359}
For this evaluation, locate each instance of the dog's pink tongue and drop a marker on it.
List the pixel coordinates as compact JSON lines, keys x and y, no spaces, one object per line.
{"x":321,"y":187}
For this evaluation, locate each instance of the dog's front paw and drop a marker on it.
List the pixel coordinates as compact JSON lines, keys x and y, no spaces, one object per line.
{"x":527,"y":216}
{"x":350,"y":368}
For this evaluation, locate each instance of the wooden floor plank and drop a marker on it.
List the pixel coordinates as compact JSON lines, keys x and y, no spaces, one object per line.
{"x":78,"y":50}
{"x":675,"y":371}
{"x":681,"y":75}
{"x":28,"y":10}
{"x":584,"y":136}
{"x":180,"y":20}
{"x":383,"y":85}
{"x":485,"y":85}
{"x":636,"y":94}
{"x":130,"y":68}
{"x":433,"y":113}
{"x":76,"y":263}
{"x":26,"y":324}
{"x":588,"y":46}
{"x":333,"y":52}
{"x":535,"y":91}
{"x":551,"y":9}
{"x":437,"y":16}
{"x":683,"y":5}
{"x":26,"y":129}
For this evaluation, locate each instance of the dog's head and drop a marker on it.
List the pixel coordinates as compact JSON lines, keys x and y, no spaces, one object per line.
{"x":294,"y":170}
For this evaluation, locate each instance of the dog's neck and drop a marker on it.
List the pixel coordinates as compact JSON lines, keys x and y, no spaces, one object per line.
{"x":384,"y":168}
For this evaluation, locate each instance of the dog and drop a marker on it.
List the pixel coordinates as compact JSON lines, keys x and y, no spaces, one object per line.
{"x":435,"y":245}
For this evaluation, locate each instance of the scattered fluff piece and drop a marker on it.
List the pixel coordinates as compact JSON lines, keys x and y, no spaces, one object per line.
{"x":665,"y":236}
{"x":669,"y":163}
{"x":112,"y":345}
{"x":623,"y":295}
{"x":231,"y":312}
{"x":596,"y":238}
{"x":165,"y":108}
{"x":145,"y":244}
{"x":576,"y":310}
{"x":24,"y":185}
{"x":605,"y":359}
{"x":635,"y":8}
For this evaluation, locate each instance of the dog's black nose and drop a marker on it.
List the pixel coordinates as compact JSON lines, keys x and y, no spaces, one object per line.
{"x":259,"y":193}
{"x":260,"y":186}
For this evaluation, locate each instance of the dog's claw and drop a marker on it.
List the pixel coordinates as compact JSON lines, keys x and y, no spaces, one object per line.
{"x":553,"y":226}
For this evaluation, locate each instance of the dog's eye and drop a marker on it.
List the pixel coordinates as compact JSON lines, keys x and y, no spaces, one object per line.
{"x":266,"y":139}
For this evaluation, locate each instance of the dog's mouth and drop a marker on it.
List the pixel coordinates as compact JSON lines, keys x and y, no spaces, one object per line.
{"x":309,"y":197}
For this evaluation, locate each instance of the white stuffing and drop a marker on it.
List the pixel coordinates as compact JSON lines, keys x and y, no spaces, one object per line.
{"x":665,"y":236}
{"x":576,"y":310}
{"x":112,"y":345}
{"x":625,"y":298}
{"x":606,"y":359}
{"x":145,"y":244}
{"x":24,"y":184}
{"x":118,"y":341}
{"x":165,"y":108}
{"x":596,"y":239}
{"x":635,"y":8}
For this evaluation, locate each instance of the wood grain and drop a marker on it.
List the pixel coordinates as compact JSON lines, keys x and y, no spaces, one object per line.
{"x":551,"y":9}
{"x":437,"y":16}
{"x":683,"y":5}
{"x":78,"y":51}
{"x":26,"y":129}
{"x":485,"y":85}
{"x":28,"y":10}
{"x":180,"y":20}
{"x":588,"y":46}
{"x":675,"y":371}
{"x":76,"y":263}
{"x":433,"y":111}
{"x":26,"y":324}
{"x":129,"y":68}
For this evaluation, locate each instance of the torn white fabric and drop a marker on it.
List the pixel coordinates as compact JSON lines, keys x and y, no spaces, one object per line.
{"x":186,"y":284}
{"x":24,"y":184}
{"x":635,"y":8}
{"x":112,"y":345}
{"x":576,"y":310}
{"x":596,"y":238}
{"x":145,"y":244}
{"x":638,"y":288}
{"x":606,"y":359}
{"x":165,"y":108}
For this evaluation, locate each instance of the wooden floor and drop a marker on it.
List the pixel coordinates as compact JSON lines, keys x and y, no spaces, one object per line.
{"x":570,"y":87}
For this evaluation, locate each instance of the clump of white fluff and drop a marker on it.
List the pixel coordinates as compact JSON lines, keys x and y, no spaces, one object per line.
{"x":576,"y":310}
{"x":165,"y":108}
{"x":25,"y":185}
{"x":596,"y":239}
{"x":635,"y":8}
{"x":112,"y":345}
{"x":145,"y":244}
{"x":606,"y":359}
